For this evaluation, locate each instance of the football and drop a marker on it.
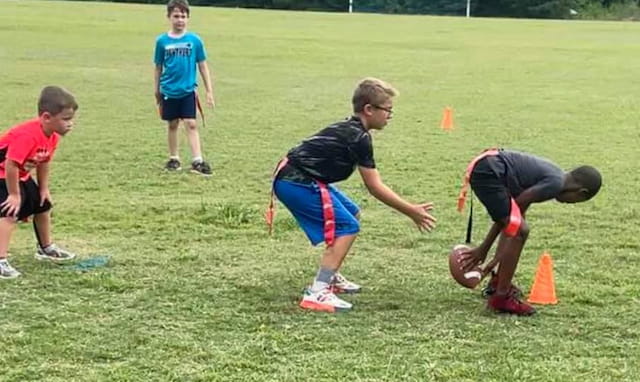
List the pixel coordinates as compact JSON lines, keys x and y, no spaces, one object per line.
{"x":469,"y":279}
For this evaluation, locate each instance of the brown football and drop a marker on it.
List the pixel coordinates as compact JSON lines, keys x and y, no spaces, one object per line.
{"x":469,"y":279}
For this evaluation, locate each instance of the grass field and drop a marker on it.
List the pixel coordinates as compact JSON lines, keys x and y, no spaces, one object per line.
{"x":197,"y":291}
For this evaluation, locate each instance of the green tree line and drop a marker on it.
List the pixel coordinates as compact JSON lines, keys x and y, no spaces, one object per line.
{"x":486,"y":8}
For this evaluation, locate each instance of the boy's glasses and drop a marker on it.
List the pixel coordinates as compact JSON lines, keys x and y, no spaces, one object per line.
{"x":387,"y":109}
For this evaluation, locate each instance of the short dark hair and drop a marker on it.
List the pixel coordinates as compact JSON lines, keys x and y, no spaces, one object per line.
{"x":589,"y":178}
{"x":182,"y":5}
{"x":54,"y":99}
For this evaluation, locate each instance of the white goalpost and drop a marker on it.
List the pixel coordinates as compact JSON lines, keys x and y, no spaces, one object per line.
{"x":468,"y":7}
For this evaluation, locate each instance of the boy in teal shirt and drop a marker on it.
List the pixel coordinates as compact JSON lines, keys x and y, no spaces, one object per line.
{"x":177,"y":54}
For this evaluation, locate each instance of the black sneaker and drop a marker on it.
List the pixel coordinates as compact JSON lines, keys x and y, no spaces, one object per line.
{"x":173,"y":165}
{"x":201,"y":168}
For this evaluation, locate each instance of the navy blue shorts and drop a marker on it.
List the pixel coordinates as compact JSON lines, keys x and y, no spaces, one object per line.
{"x":305,"y":204}
{"x":178,"y":108}
{"x":30,"y":199}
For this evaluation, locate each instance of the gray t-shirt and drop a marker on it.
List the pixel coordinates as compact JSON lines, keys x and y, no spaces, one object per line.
{"x":523,"y":171}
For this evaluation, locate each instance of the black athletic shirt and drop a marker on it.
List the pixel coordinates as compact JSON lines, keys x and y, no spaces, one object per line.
{"x":332,"y":154}
{"x":523,"y":171}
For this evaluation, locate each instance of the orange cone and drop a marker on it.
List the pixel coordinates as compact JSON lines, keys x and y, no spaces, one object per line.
{"x":543,"y":290}
{"x":447,"y":119}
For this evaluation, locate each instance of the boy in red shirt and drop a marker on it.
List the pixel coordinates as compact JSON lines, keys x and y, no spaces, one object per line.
{"x":25,"y":147}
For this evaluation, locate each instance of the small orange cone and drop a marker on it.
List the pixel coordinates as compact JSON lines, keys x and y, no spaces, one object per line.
{"x":543,"y":290}
{"x":447,"y":119}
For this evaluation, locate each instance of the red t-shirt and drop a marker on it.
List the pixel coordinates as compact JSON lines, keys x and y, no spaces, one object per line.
{"x":27,"y":145}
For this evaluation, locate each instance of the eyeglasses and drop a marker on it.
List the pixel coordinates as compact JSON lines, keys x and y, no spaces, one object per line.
{"x":387,"y":109}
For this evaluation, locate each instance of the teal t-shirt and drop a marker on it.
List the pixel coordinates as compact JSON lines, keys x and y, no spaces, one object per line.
{"x":178,"y":58}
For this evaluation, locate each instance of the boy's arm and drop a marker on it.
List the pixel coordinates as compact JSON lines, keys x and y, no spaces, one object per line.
{"x":156,"y":79}
{"x":42,"y":171}
{"x":475,"y":256}
{"x":206,"y":78}
{"x":526,"y":197}
{"x":417,"y":212}
{"x":11,"y":206}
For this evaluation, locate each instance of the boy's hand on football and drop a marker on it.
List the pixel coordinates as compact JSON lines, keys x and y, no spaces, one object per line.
{"x":470,"y":258}
{"x":11,"y":206}
{"x":422,"y":218}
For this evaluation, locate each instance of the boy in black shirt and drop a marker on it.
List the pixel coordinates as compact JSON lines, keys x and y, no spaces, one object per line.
{"x":507,"y":182}
{"x":303,"y":184}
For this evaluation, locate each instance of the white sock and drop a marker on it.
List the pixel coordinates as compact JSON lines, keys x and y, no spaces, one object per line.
{"x":323,"y":279}
{"x":197,"y":160}
{"x":317,"y":286}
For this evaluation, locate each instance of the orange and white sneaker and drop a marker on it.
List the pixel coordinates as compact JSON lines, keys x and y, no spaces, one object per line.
{"x":340,"y":284}
{"x":324,"y":301}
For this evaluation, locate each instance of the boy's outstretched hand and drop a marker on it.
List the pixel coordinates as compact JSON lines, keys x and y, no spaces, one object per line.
{"x":470,"y":258}
{"x":420,"y":215}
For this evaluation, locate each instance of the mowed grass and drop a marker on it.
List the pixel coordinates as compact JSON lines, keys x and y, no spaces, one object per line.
{"x":197,"y":291}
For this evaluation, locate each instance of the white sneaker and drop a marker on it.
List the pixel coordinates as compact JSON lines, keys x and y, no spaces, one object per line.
{"x":340,"y":284}
{"x":323,"y":301}
{"x":7,"y":271}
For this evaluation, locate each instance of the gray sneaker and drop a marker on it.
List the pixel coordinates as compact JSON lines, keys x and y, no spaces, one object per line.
{"x":7,"y":271}
{"x":54,"y":253}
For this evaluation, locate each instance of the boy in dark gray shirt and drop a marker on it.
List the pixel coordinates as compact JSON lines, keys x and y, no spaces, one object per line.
{"x":506,"y":183}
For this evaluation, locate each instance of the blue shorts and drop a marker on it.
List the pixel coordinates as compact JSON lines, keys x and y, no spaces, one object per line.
{"x":179,"y":108}
{"x":303,"y":200}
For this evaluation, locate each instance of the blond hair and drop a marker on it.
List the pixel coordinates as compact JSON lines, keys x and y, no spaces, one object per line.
{"x":372,"y":91}
{"x":54,"y":99}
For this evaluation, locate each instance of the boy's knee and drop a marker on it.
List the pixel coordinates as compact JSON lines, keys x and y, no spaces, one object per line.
{"x":173,"y":125}
{"x":190,"y":124}
{"x":523,"y":232}
{"x":514,"y":229}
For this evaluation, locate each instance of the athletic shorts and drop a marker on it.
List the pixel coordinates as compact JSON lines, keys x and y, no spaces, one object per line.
{"x":30,"y":195}
{"x":179,"y":108}
{"x":303,"y":200}
{"x":491,"y":190}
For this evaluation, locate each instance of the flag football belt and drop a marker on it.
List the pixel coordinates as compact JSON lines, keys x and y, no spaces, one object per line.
{"x":515,"y":217}
{"x":328,"y":214}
